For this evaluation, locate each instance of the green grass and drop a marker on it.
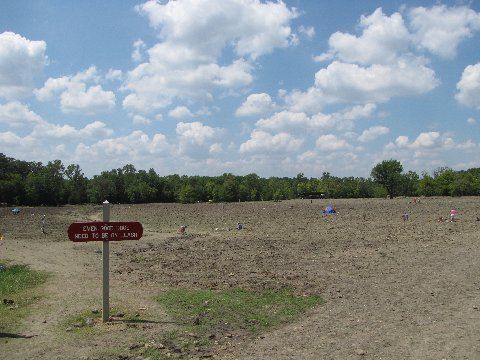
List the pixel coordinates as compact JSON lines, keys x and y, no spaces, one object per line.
{"x":234,"y":310}
{"x":18,"y":283}
{"x":78,"y":323}
{"x":206,"y":317}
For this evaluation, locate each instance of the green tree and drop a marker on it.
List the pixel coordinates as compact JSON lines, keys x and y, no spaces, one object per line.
{"x":186,"y":194}
{"x":230,"y":188}
{"x":389,"y":174}
{"x":410,"y":183}
{"x":75,"y":185}
{"x":426,"y":185}
{"x":46,"y":187}
{"x":138,"y":191}
{"x":465,"y":184}
{"x":101,"y":188}
{"x":444,"y":178}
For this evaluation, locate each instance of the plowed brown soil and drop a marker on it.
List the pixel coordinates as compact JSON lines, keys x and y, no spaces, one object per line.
{"x":393,"y":289}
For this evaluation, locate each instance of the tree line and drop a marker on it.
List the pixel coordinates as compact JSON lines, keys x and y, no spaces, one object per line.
{"x":34,"y":183}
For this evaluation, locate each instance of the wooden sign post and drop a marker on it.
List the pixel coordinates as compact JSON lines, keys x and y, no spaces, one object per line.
{"x":105,"y":267}
{"x":105,"y":232}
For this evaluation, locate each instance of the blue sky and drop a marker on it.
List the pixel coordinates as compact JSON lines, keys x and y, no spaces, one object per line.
{"x":207,"y":87}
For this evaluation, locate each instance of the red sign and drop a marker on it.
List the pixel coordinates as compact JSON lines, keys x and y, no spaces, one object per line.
{"x":105,"y":231}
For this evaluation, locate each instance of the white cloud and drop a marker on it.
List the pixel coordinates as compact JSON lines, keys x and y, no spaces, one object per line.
{"x":350,"y":83}
{"x":51,"y":87}
{"x":310,"y":101}
{"x":309,"y":155}
{"x":382,"y":40}
{"x":215,"y":148}
{"x":263,"y":142}
{"x":300,"y":122}
{"x":195,"y":139}
{"x":253,"y":28}
{"x":89,"y":101}
{"x":372,"y":133}
{"x":426,"y":140}
{"x":308,"y":31}
{"x":324,"y":57}
{"x":428,"y":151}
{"x":440,"y":29}
{"x":136,"y":146}
{"x":20,"y":60}
{"x":467,"y":145}
{"x":154,"y":87}
{"x":180,"y":112}
{"x":196,"y":132}
{"x":380,"y":64}
{"x":285,"y":120}
{"x":17,"y":114}
{"x":95,"y":130}
{"x":402,"y":141}
{"x":184,"y":64}
{"x":376,"y":83}
{"x":114,"y":74}
{"x":256,"y":104}
{"x":359,"y":112}
{"x":423,"y":140}
{"x":471,"y":121}
{"x":9,"y":138}
{"x":140,"y":120}
{"x":19,"y":146}
{"x":331,"y":143}
{"x":138,"y":50}
{"x":469,"y":87}
{"x":75,"y":96}
{"x":203,"y":111}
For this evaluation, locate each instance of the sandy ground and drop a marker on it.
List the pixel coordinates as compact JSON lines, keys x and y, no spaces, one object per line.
{"x":393,"y":289}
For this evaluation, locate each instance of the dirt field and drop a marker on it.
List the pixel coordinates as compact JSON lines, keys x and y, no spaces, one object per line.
{"x":392,"y":289}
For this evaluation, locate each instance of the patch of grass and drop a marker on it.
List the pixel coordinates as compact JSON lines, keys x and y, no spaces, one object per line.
{"x":83,"y":322}
{"x":235,"y":309}
{"x":211,"y":318}
{"x":87,"y":322}
{"x":17,"y":293}
{"x":209,"y":315}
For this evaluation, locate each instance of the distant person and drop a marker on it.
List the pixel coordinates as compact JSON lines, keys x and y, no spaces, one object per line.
{"x":453,"y":215}
{"x":405,"y":216}
{"x":43,"y":223}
